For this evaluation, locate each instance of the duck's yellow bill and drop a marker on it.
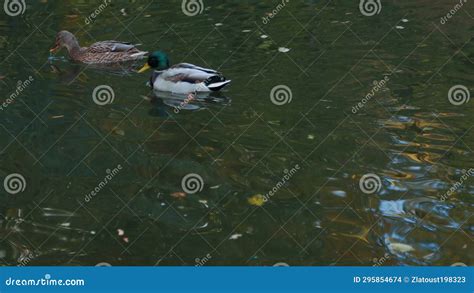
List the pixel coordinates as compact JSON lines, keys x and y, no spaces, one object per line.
{"x":144,"y":68}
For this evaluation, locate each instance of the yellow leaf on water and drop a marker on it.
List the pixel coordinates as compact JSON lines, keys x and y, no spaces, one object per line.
{"x":257,"y":200}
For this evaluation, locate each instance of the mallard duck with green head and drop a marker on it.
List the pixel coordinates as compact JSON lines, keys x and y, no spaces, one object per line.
{"x":105,"y":52}
{"x":182,"y":78}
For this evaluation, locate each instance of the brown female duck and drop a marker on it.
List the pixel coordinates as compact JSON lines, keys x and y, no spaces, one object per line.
{"x":105,"y":52}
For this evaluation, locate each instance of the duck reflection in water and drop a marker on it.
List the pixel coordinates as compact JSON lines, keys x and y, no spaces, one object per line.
{"x":74,"y":71}
{"x":166,"y":104}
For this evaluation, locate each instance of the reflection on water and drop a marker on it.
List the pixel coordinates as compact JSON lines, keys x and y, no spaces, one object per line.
{"x":239,"y":142}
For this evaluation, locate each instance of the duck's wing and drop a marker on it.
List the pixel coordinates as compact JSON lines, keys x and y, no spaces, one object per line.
{"x":112,"y":46}
{"x":196,"y":68}
{"x":185,"y":72}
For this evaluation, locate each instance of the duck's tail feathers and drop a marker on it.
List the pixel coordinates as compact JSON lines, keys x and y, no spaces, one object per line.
{"x":216,"y":83}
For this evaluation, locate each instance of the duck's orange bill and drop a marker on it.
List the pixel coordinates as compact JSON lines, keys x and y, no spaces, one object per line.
{"x":144,"y":68}
{"x":54,"y":49}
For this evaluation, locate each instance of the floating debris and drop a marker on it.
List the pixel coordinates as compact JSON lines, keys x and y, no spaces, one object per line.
{"x":178,"y":194}
{"x":257,"y":200}
{"x":339,"y":193}
{"x":400,"y":247}
{"x":284,"y":50}
{"x":204,"y":202}
{"x":235,"y":236}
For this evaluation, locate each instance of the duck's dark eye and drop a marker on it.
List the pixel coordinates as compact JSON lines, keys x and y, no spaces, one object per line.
{"x":153,"y":62}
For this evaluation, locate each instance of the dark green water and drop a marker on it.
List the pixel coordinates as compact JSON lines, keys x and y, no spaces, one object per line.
{"x":407,"y":133}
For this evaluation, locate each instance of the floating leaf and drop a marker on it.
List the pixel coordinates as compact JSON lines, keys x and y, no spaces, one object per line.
{"x":257,"y":200}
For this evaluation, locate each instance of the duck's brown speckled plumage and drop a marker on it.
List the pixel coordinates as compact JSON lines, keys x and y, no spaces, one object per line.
{"x":98,"y":53}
